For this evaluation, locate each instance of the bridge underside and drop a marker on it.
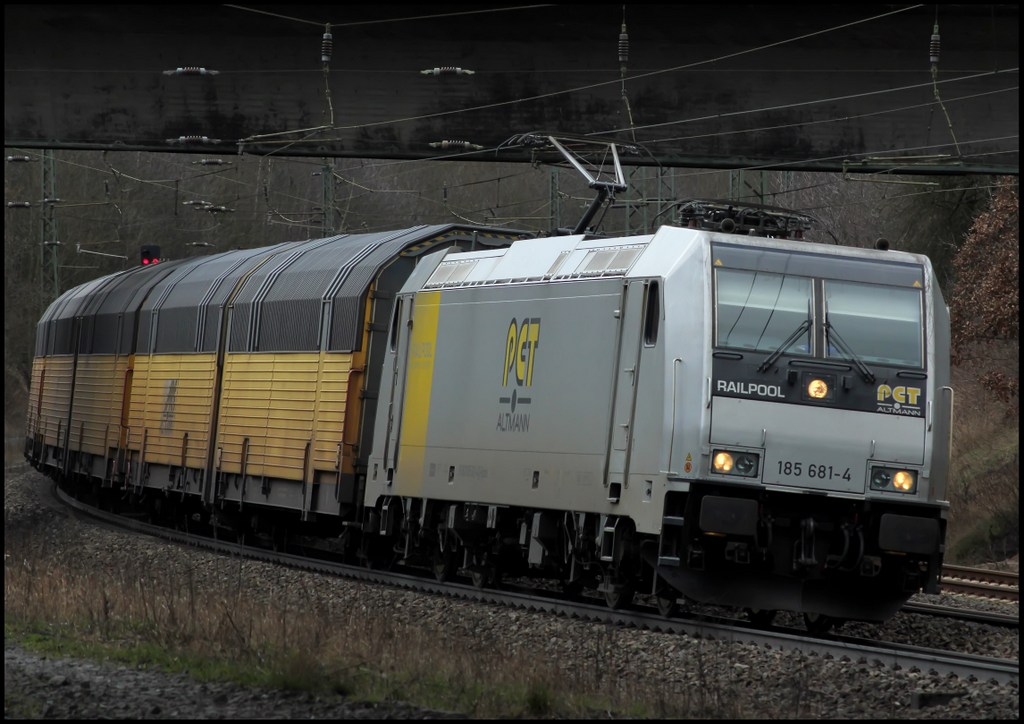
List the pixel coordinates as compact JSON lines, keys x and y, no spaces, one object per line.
{"x":842,"y":87}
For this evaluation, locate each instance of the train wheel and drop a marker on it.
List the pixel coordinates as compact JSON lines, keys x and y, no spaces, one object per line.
{"x":619,"y":595}
{"x":484,"y":571}
{"x":761,"y":617}
{"x":818,"y":623}
{"x":479,"y":577}
{"x":484,"y":576}
{"x":443,"y":566}
{"x":667,"y":605}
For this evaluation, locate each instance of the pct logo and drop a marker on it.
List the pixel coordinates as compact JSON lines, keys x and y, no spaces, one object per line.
{"x":522,"y":339}
{"x":900,"y":400}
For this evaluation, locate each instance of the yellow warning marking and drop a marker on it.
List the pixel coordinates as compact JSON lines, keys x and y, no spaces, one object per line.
{"x":418,"y":382}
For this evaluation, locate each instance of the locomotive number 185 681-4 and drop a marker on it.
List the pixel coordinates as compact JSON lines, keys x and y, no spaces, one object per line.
{"x":796,"y":468}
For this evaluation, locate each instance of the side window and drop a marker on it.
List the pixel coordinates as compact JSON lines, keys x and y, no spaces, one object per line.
{"x":395,"y":322}
{"x":652,"y":317}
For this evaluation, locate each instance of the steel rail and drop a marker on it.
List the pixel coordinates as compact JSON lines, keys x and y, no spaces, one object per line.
{"x":1002,"y":585}
{"x":991,"y":618}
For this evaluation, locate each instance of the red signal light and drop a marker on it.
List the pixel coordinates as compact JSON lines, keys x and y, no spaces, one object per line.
{"x":150,"y":254}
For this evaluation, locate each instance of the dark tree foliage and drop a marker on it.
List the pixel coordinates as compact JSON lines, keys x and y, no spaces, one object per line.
{"x":985,"y":305}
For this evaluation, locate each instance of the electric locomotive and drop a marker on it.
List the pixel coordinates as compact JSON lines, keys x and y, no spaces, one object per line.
{"x":761,"y":423}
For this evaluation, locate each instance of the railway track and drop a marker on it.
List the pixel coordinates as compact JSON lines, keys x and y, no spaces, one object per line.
{"x":886,"y":654}
{"x":959,"y":613}
{"x":1001,"y":585}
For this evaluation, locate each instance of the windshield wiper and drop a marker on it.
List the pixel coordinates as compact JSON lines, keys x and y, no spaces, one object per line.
{"x":770,"y":359}
{"x":832,"y":335}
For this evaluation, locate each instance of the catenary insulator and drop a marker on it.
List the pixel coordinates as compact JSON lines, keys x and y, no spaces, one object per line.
{"x":933,"y":48}
{"x":447,"y":70}
{"x":326,"y":46}
{"x":191,"y":70}
{"x":193,"y":139}
{"x":468,"y":145}
{"x":623,"y":45}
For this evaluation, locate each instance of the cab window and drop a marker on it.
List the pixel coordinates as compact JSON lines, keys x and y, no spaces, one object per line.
{"x":759,"y":310}
{"x":878,"y":323}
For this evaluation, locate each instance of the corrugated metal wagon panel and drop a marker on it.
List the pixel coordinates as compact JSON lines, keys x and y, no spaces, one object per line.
{"x":281,"y":307}
{"x":55,"y":332}
{"x":34,"y":392}
{"x":182,"y":312}
{"x":53,"y":414}
{"x":171,"y":397}
{"x":179,"y":396}
{"x":110,"y":315}
{"x":247,"y":308}
{"x":137,"y":403}
{"x":96,"y":414}
{"x":289,"y":326}
{"x":269,"y":399}
{"x":220,"y":275}
{"x":280,"y":403}
{"x":332,"y":408}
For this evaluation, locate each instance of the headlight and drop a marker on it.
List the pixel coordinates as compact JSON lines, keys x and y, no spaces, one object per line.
{"x":728,"y":462}
{"x":893,"y":480}
{"x":723,"y":462}
{"x":903,"y":480}
{"x":817,"y":388}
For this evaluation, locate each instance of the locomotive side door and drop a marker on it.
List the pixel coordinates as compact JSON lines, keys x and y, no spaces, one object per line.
{"x":400,"y":334}
{"x":630,"y":328}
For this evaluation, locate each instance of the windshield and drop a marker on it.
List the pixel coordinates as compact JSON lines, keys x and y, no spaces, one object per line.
{"x":879,"y":323}
{"x":760,"y":310}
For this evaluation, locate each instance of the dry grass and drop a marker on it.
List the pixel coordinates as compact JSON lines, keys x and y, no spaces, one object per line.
{"x":293,"y":640}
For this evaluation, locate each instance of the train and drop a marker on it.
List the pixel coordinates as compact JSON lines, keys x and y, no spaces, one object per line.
{"x":718,"y":412}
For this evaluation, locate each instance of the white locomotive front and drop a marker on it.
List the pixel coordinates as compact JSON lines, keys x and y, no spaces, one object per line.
{"x":820,"y":480}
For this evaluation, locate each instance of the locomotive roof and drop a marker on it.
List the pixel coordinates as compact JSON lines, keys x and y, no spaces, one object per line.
{"x":583,"y":257}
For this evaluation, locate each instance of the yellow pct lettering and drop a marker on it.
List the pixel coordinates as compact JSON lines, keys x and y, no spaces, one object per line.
{"x":902,"y":395}
{"x":534,"y":343}
{"x":521,"y":342}
{"x":510,"y":351}
{"x":521,"y":360}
